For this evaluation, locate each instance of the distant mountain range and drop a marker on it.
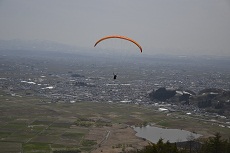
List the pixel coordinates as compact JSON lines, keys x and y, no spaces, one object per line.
{"x":17,"y":46}
{"x":34,"y":45}
{"x":47,"y":46}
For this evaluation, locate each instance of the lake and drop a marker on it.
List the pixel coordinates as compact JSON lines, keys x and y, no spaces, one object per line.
{"x":153,"y":134}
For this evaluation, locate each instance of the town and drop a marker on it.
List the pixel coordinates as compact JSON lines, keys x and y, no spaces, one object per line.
{"x":70,"y":78}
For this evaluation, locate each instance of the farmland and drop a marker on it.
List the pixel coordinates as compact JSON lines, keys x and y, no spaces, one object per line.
{"x":30,"y":124}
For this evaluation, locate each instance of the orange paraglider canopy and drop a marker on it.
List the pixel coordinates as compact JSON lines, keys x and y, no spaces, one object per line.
{"x":119,"y":37}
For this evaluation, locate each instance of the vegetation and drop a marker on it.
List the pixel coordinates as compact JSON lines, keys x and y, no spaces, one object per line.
{"x":216,"y":145}
{"x":31,"y":124}
{"x":160,"y":147}
{"x":66,"y":151}
{"x":204,"y":104}
{"x":211,"y":99}
{"x":34,"y":147}
{"x":162,"y":94}
{"x":88,"y":143}
{"x":211,"y":145}
{"x":76,"y":75}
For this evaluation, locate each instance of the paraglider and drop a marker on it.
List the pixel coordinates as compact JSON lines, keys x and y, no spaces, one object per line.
{"x":119,"y":37}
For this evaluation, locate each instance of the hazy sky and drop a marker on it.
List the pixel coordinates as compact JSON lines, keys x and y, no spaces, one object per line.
{"x":166,"y":26}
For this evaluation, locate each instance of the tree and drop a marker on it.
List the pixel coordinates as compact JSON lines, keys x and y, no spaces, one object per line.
{"x":211,"y":145}
{"x":190,"y":139}
{"x":216,"y":145}
{"x":160,"y":147}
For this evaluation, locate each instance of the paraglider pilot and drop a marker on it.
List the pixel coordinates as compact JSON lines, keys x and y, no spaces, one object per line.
{"x":114,"y":76}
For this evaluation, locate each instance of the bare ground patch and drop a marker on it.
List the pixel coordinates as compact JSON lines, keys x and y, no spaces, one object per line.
{"x":115,"y":138}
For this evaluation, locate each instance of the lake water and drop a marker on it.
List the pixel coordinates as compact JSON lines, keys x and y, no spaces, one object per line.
{"x":153,"y":134}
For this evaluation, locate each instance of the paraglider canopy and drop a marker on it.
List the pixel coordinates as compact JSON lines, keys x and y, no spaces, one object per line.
{"x":119,"y":37}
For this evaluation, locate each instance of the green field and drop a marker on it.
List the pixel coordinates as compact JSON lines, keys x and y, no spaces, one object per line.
{"x":30,"y":124}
